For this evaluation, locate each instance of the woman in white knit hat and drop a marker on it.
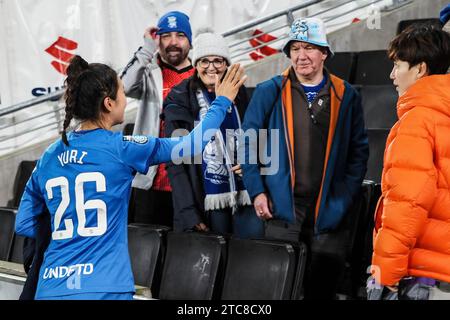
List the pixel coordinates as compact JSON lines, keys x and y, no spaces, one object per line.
{"x":209,"y":194}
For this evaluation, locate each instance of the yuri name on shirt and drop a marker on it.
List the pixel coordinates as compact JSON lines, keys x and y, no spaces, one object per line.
{"x":72,"y":156}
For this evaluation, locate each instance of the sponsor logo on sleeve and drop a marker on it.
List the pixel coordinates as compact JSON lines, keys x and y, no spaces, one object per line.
{"x":136,"y":139}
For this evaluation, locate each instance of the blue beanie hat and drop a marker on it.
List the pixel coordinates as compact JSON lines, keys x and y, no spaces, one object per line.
{"x":445,"y":14}
{"x":175,"y":21}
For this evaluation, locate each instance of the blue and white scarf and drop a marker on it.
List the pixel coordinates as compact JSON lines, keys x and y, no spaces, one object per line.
{"x":223,"y":188}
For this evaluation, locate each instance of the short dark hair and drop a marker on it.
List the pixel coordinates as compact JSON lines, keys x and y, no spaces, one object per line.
{"x":422,"y":43}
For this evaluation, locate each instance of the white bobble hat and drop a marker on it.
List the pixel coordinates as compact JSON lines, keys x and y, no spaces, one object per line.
{"x":208,"y":43}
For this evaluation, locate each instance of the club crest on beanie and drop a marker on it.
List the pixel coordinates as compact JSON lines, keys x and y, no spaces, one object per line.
{"x":175,"y":21}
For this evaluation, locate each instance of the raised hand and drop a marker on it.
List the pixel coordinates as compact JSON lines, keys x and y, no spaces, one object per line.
{"x":233,"y":80}
{"x":150,"y":33}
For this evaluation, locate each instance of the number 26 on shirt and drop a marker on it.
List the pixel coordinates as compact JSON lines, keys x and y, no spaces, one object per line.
{"x":80,"y":205}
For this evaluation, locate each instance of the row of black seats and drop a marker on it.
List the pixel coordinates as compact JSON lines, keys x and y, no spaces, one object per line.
{"x":207,"y":266}
{"x":369,"y":71}
{"x":204,"y":266}
{"x":361,"y":68}
{"x":196,"y":265}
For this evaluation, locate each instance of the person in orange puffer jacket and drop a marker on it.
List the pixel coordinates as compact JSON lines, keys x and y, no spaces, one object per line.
{"x":411,"y":249}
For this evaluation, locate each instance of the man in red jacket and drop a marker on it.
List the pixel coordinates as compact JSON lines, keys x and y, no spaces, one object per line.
{"x":155,"y":68}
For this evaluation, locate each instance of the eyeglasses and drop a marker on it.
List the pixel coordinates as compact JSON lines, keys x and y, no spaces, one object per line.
{"x":217,"y":63}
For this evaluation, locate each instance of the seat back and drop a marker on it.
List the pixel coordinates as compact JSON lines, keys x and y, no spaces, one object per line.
{"x":379,"y":103}
{"x":128,"y":129}
{"x":373,"y":68}
{"x":360,"y":254}
{"x":16,"y":254}
{"x":191,"y":266}
{"x":259,"y":270}
{"x":402,"y":25}
{"x":23,"y":173}
{"x":359,"y":223}
{"x":144,"y":247}
{"x":250,"y":91}
{"x":342,"y":65}
{"x":300,"y":262}
{"x":362,"y":247}
{"x":377,"y":144}
{"x":157,"y":274}
{"x":7,"y":223}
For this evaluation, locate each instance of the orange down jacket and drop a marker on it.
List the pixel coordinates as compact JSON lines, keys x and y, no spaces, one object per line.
{"x":412,"y":233}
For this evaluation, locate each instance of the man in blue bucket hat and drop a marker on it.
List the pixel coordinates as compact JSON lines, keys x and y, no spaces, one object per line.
{"x":308,"y":30}
{"x":322,"y":151}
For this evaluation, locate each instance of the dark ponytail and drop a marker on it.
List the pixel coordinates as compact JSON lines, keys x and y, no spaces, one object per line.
{"x":87,"y":85}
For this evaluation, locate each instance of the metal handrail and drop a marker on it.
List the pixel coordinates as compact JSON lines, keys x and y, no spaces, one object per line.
{"x":59,"y":109}
{"x":360,"y":7}
{"x":270,"y":17}
{"x":30,"y":130}
{"x":30,"y":103}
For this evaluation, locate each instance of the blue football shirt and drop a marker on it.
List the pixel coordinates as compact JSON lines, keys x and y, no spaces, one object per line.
{"x":86,"y":188}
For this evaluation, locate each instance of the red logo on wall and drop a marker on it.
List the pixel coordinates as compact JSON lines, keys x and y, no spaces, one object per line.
{"x":262,"y":50}
{"x":60,"y":50}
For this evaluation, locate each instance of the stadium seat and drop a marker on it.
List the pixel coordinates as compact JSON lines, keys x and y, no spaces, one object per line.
{"x":300,"y":252}
{"x":146,"y":245}
{"x":377,"y":144}
{"x":7,"y":222}
{"x":373,"y":68}
{"x":379,"y":103}
{"x":191,"y":266}
{"x":16,"y":254}
{"x":23,"y":174}
{"x":143,"y":209}
{"x":365,"y":239}
{"x":360,"y":241}
{"x":342,"y":64}
{"x":402,"y":25}
{"x":128,"y":129}
{"x":259,"y":270}
{"x":250,"y":91}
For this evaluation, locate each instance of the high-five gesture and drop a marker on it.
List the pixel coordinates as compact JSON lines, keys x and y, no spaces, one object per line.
{"x":233,"y":80}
